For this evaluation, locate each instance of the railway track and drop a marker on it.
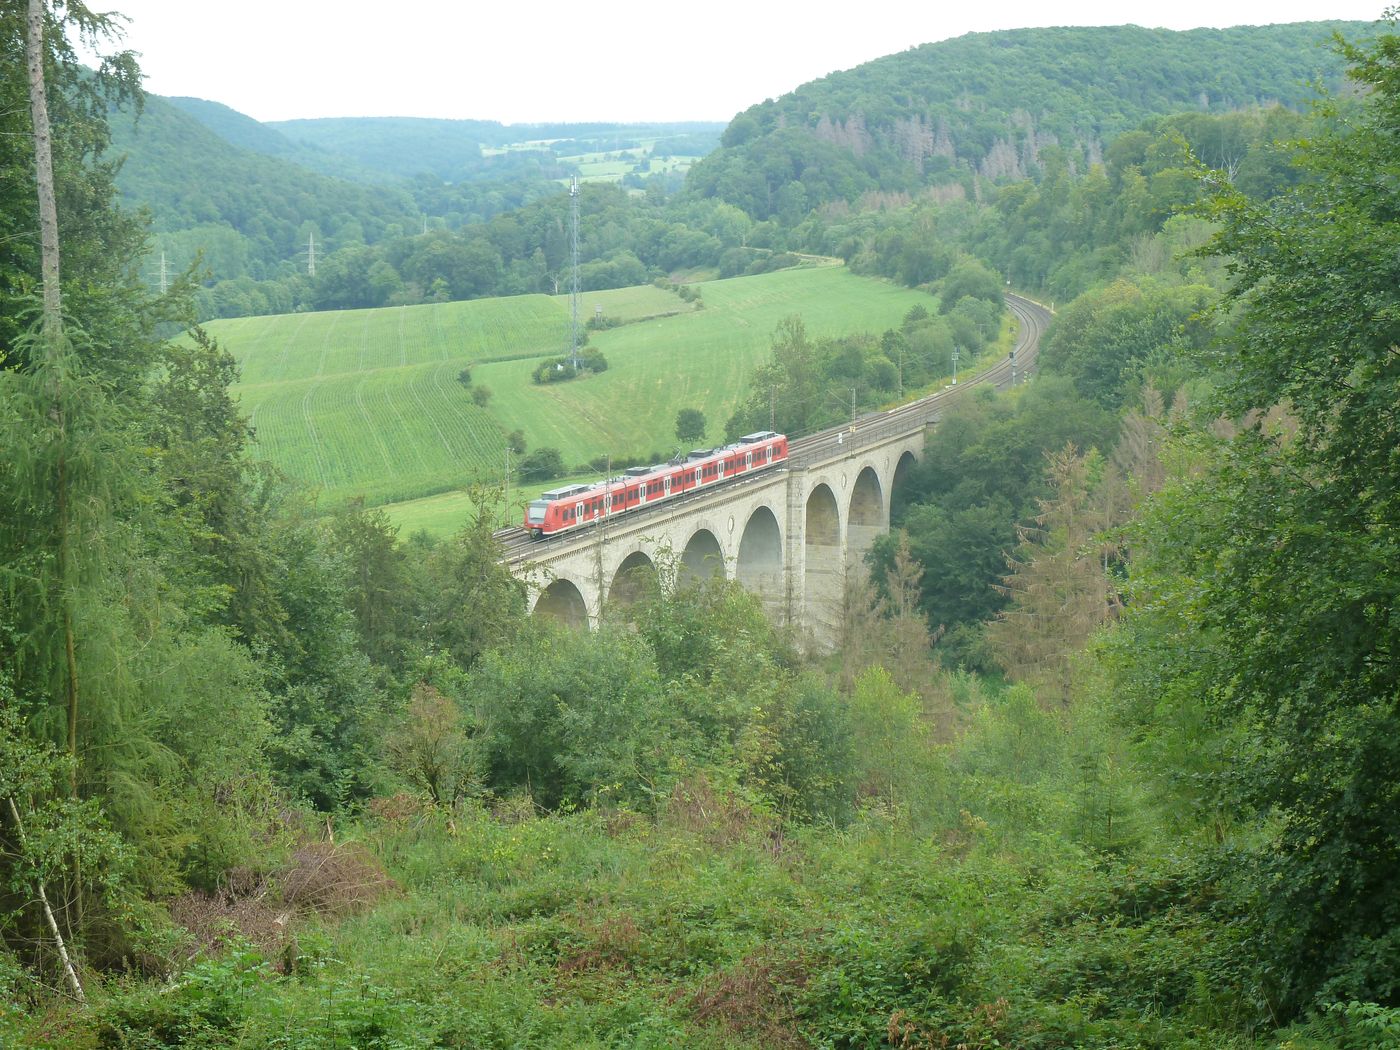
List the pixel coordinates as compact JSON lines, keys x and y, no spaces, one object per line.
{"x":867,"y":430}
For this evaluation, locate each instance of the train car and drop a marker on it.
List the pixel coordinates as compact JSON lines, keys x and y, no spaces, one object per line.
{"x":577,"y":506}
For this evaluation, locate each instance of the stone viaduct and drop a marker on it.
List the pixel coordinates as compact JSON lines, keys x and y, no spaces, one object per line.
{"x":787,"y":533}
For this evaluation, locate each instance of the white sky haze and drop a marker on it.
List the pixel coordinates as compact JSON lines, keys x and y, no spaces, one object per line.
{"x":621,"y":60}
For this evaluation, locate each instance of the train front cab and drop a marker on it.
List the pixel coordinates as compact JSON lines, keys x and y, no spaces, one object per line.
{"x":550,"y":513}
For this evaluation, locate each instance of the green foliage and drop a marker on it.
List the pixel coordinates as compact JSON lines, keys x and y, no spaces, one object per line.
{"x":570,"y":717}
{"x":555,"y":370}
{"x":465,"y":573}
{"x":735,"y":853}
{"x":52,"y":842}
{"x":750,"y":719}
{"x":894,"y":752}
{"x":562,"y":369}
{"x":541,"y":465}
{"x":207,"y":1006}
{"x":1107,"y":340}
{"x":1283,"y":537}
{"x":429,"y":748}
{"x":378,"y":582}
{"x":1366,"y":1026}
{"x":935,"y":115}
{"x":969,"y":279}
{"x":690,"y":426}
{"x":811,"y":383}
{"x":983,"y":469}
{"x":244,"y":199}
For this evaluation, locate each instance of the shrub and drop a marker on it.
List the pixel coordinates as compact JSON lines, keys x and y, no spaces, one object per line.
{"x":571,"y":716}
{"x":542,"y":464}
{"x":555,"y":370}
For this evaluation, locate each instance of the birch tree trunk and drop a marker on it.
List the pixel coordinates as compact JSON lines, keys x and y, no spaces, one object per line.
{"x":68,"y":968}
{"x":53,"y":341}
{"x":43,"y":169}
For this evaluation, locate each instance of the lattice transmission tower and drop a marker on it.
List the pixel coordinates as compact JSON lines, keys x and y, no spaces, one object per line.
{"x":573,"y":274}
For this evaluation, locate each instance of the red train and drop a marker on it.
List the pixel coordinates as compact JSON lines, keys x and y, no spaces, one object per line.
{"x":574,"y":506}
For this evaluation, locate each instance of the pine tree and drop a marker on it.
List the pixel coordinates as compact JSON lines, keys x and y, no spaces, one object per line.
{"x":1058,"y":589}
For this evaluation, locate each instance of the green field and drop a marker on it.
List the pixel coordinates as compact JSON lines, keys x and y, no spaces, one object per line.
{"x":367,"y":402}
{"x":700,"y":359}
{"x":446,"y":512}
{"x":609,"y":166}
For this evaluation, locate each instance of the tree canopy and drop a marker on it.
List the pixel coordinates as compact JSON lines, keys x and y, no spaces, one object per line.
{"x":1270,"y":607}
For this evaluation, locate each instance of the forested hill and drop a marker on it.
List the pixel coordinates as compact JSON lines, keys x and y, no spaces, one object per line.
{"x":453,"y":149}
{"x":248,"y":196}
{"x":240,"y":130}
{"x":990,"y":104}
{"x":245,"y":210}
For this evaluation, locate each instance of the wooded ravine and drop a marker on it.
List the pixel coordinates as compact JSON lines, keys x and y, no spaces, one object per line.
{"x":1107,"y":753}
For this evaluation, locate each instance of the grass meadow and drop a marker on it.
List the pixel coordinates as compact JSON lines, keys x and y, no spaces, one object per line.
{"x":367,"y":403}
{"x":609,"y":165}
{"x":444,"y":513}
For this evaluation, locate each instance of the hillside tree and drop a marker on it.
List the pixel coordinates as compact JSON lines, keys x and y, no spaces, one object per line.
{"x":1275,"y":567}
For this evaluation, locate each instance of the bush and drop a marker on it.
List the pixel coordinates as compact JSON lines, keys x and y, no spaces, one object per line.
{"x":571,"y":716}
{"x":207,"y":1006}
{"x":542,"y":464}
{"x":555,"y":370}
{"x":558,"y":369}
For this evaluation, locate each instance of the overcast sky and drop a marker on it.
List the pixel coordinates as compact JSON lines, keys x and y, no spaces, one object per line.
{"x":544,"y":60}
